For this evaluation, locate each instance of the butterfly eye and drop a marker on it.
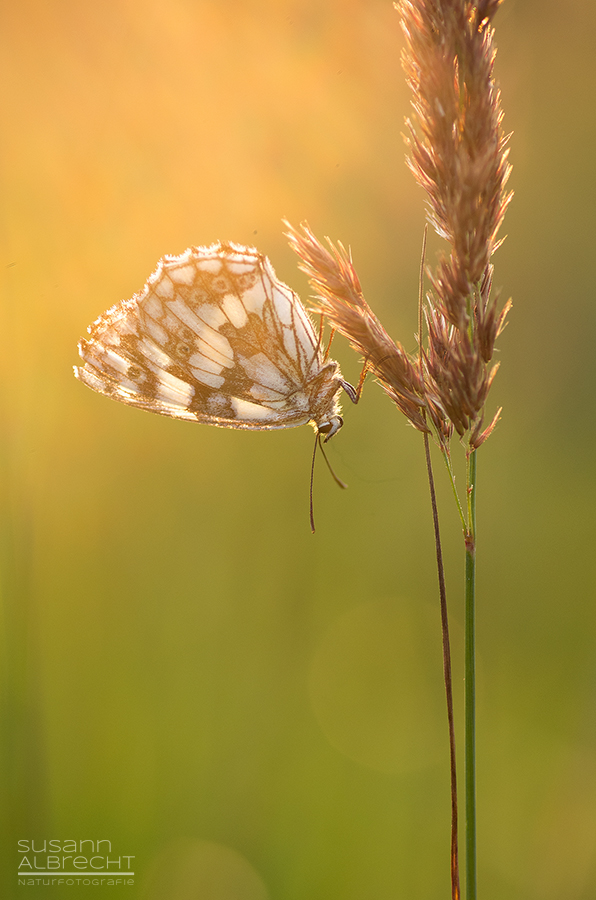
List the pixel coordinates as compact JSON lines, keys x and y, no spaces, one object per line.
{"x":330,"y":428}
{"x":183,"y":351}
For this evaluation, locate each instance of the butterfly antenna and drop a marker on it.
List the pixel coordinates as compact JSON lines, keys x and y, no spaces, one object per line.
{"x":312,"y":479}
{"x":337,"y":480}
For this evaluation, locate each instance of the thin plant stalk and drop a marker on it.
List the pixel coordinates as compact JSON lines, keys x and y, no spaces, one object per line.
{"x":447,"y":675}
{"x":446,"y":643}
{"x":470,"y":678}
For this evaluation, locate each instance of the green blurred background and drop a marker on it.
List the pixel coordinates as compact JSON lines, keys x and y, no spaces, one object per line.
{"x":255,"y":713}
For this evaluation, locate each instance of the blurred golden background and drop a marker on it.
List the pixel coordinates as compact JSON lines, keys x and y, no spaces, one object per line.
{"x":253,"y":712}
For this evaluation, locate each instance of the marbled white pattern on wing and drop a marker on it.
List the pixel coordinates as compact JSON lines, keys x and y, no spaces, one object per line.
{"x":215,"y":337}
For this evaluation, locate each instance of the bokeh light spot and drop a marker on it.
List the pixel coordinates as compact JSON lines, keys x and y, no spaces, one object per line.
{"x":202,"y":870}
{"x":373,"y":690}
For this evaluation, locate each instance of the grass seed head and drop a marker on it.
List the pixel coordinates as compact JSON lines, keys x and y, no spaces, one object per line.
{"x":339,"y":297}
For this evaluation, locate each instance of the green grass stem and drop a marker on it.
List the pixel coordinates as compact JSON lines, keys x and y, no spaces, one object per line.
{"x":470,"y":679}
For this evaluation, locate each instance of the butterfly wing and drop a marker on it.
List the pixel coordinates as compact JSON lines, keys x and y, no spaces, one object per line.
{"x":213,"y":337}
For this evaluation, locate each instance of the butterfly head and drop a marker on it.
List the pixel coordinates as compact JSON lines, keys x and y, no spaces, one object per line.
{"x":329,"y":427}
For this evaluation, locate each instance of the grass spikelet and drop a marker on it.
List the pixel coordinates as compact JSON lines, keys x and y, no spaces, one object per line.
{"x":339,"y":297}
{"x":458,"y":154}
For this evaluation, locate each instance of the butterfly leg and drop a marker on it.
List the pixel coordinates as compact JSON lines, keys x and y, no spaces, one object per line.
{"x":352,"y":392}
{"x":320,"y":340}
{"x":362,"y":379}
{"x":331,"y":336}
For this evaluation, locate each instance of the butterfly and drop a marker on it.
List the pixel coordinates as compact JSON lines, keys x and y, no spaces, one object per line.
{"x":216,"y":337}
